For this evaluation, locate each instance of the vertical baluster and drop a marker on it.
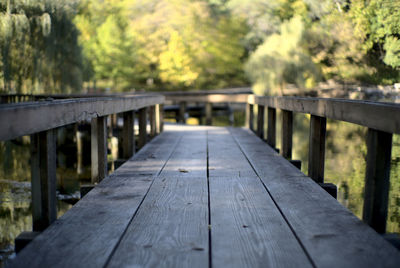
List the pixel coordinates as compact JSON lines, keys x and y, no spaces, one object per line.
{"x":209,"y":108}
{"x":128,"y":134}
{"x":182,"y":111}
{"x":99,"y":148}
{"x":43,"y":171}
{"x":271,"y":136}
{"x":152,"y":119}
{"x":316,"y":156}
{"x":142,"y":127}
{"x":377,"y":179}
{"x":260,"y":121}
{"x":287,"y":133}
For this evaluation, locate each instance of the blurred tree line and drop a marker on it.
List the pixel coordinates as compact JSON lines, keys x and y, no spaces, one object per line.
{"x":60,"y":46}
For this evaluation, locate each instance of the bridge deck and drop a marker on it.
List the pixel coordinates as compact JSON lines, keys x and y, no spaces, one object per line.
{"x":202,"y":197}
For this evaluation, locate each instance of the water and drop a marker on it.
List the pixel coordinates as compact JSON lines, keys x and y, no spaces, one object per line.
{"x":344,"y":166}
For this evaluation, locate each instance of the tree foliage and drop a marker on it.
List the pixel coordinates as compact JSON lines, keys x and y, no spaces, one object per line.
{"x":38,"y":42}
{"x":54,"y":45}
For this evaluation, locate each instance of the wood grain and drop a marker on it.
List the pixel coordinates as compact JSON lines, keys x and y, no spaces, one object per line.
{"x":86,"y":234}
{"x":171,"y":227}
{"x":27,"y":118}
{"x":247,"y":229}
{"x":377,"y":115}
{"x":330,"y":233}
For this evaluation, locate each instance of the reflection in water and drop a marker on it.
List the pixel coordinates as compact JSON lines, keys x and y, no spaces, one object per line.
{"x":344,"y":166}
{"x":345,"y":154}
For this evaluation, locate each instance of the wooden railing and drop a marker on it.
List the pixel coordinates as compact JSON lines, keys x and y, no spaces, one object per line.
{"x":41,"y":119}
{"x":382,"y":120}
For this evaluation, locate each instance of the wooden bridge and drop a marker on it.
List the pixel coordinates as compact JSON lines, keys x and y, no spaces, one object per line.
{"x":202,"y":196}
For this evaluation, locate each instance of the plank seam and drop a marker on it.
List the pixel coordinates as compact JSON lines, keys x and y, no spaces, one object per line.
{"x":273,"y":200}
{"x":141,"y":202}
{"x":209,"y":207}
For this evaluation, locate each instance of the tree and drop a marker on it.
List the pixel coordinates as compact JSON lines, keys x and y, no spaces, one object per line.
{"x":38,"y":42}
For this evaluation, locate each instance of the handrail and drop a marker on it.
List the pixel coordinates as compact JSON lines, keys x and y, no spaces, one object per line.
{"x":377,"y":115}
{"x":382,"y":120}
{"x":27,"y":118}
{"x":40,"y":119}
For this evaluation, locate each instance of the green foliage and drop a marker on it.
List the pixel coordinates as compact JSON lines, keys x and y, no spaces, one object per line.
{"x":39,"y":51}
{"x":280,"y":60}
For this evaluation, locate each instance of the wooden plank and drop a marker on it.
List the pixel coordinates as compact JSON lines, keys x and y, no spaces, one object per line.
{"x":142,"y":127}
{"x":247,"y":230}
{"x":271,"y":130}
{"x":377,"y":179}
{"x":316,"y":154}
{"x":128,"y":134}
{"x":27,"y":118}
{"x":377,"y":115}
{"x":87,"y":234}
{"x":249,"y":116}
{"x":287,"y":133}
{"x":99,"y":149}
{"x":171,"y":227}
{"x":260,"y":121}
{"x":43,"y":173}
{"x":330,"y":233}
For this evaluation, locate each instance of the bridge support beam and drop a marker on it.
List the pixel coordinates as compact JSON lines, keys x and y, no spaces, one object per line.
{"x":377,"y":179}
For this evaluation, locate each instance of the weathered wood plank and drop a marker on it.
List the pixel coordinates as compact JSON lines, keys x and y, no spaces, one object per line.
{"x":171,"y":227}
{"x":316,"y":152}
{"x":27,"y":118}
{"x":376,"y":115}
{"x":247,"y":230}
{"x":330,"y":233}
{"x":87,"y":234}
{"x":377,"y":179}
{"x":43,"y":173}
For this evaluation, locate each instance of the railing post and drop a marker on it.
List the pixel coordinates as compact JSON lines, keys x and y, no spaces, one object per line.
{"x":182,"y":111}
{"x":287,"y":133}
{"x":43,"y":171}
{"x":128,"y":134}
{"x":271,"y":131}
{"x":377,"y":179}
{"x":316,"y":155}
{"x":260,"y":121}
{"x":250,"y":116}
{"x":142,"y":127}
{"x":152,"y":119}
{"x":161,"y":118}
{"x":209,"y":108}
{"x":99,"y":148}
{"x":158,"y":110}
